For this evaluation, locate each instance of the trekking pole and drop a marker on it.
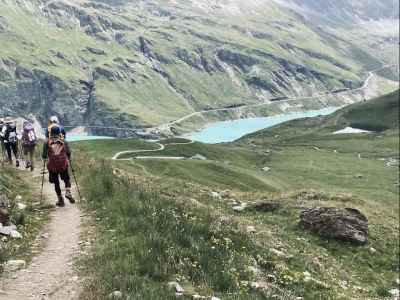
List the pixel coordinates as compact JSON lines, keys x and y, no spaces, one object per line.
{"x":76,"y":181}
{"x":3,"y":154}
{"x":43,"y":172}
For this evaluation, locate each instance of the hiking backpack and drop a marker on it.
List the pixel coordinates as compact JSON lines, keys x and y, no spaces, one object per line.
{"x":57,"y":154}
{"x":11,"y":134}
{"x":55,"y":125}
{"x":29,"y":135}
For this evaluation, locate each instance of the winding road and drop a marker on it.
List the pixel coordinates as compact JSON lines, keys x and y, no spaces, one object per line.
{"x":198,"y":113}
{"x":161,"y":148}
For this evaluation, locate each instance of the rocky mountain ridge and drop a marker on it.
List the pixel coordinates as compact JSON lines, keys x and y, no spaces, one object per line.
{"x":149,"y":62}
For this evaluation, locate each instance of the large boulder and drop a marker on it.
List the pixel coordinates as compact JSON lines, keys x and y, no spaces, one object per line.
{"x":4,"y":216}
{"x":266,"y":206}
{"x":346,"y":224}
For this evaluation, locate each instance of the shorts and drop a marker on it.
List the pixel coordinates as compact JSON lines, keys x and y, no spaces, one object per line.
{"x":53,"y":177}
{"x":28,"y":149}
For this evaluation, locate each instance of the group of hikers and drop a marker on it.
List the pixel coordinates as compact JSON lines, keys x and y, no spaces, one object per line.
{"x":56,"y":151}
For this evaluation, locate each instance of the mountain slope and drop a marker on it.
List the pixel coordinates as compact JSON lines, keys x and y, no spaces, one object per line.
{"x":147,"y":62}
{"x":379,"y":114}
{"x":295,"y":166}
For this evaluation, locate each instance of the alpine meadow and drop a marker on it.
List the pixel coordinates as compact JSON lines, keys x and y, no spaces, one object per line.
{"x":199,"y":149}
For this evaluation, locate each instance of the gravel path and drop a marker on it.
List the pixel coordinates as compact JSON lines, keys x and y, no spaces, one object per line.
{"x":161,"y":148}
{"x":50,"y":274}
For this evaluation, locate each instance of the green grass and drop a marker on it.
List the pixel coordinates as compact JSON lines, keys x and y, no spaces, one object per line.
{"x":377,"y":115}
{"x":210,"y":174}
{"x":167,"y":186}
{"x":29,"y":221}
{"x":147,"y":240}
{"x":108,"y":148}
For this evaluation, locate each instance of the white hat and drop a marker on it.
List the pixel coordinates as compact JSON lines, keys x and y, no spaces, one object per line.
{"x":8,"y":120}
{"x":54,"y":119}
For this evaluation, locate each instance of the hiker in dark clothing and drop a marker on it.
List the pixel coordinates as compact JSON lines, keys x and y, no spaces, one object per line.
{"x":10,"y":139}
{"x":54,"y":122}
{"x":3,"y":149}
{"x":58,"y":153}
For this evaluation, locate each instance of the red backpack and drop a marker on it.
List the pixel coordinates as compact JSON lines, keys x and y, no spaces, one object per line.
{"x":57,"y":153}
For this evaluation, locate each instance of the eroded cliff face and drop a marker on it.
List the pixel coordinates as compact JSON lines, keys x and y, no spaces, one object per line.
{"x":124,"y":63}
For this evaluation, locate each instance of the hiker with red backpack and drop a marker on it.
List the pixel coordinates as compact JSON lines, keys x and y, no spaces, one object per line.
{"x":29,"y":141}
{"x":58,"y":154}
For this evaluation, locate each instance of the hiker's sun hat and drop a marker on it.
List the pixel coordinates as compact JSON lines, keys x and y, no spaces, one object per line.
{"x":54,"y":119}
{"x":8,"y":120}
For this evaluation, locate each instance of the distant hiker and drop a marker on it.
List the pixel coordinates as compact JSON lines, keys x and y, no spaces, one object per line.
{"x":57,"y":151}
{"x":3,"y":149}
{"x":10,"y":139}
{"x":54,"y":122}
{"x":29,"y":141}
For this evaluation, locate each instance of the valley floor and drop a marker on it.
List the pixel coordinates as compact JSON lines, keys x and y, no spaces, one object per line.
{"x":183,"y":210}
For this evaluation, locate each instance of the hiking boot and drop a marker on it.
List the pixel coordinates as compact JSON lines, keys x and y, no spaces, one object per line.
{"x":68,"y":195}
{"x":60,"y":202}
{"x":17,"y":163}
{"x":27,"y":165}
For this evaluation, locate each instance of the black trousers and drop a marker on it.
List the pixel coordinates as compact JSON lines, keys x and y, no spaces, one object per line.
{"x":54,"y":178}
{"x":11,"y":148}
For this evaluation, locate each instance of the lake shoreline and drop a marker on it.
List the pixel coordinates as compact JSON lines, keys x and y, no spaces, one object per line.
{"x":205,"y":134}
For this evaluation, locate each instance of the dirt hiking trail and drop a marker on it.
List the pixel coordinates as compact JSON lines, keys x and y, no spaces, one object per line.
{"x":50,"y":274}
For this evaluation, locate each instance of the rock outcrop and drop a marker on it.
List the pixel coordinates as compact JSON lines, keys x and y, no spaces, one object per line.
{"x":149,"y":63}
{"x":346,"y":224}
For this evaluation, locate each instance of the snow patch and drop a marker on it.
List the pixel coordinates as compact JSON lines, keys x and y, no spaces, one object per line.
{"x":351,"y":130}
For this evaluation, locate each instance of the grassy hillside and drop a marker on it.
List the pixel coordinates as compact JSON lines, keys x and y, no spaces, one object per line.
{"x":377,"y":115}
{"x":167,"y":204}
{"x":149,"y":62}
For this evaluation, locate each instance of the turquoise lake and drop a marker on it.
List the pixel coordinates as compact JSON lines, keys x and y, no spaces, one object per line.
{"x":228,"y":131}
{"x":79,"y":138}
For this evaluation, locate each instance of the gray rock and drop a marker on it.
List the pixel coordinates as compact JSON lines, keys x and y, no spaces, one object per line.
{"x":115,"y":295}
{"x":346,"y":224}
{"x":215,"y":195}
{"x":107,"y":73}
{"x":6,"y":230}
{"x":4,"y":216}
{"x":96,"y":51}
{"x":176,"y":287}
{"x":277,"y":252}
{"x":21,"y":206}
{"x":395,"y":293}
{"x":266,"y":206}
{"x":240,"y":208}
{"x":15,"y":234}
{"x":251,"y":229}
{"x":14,"y":265}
